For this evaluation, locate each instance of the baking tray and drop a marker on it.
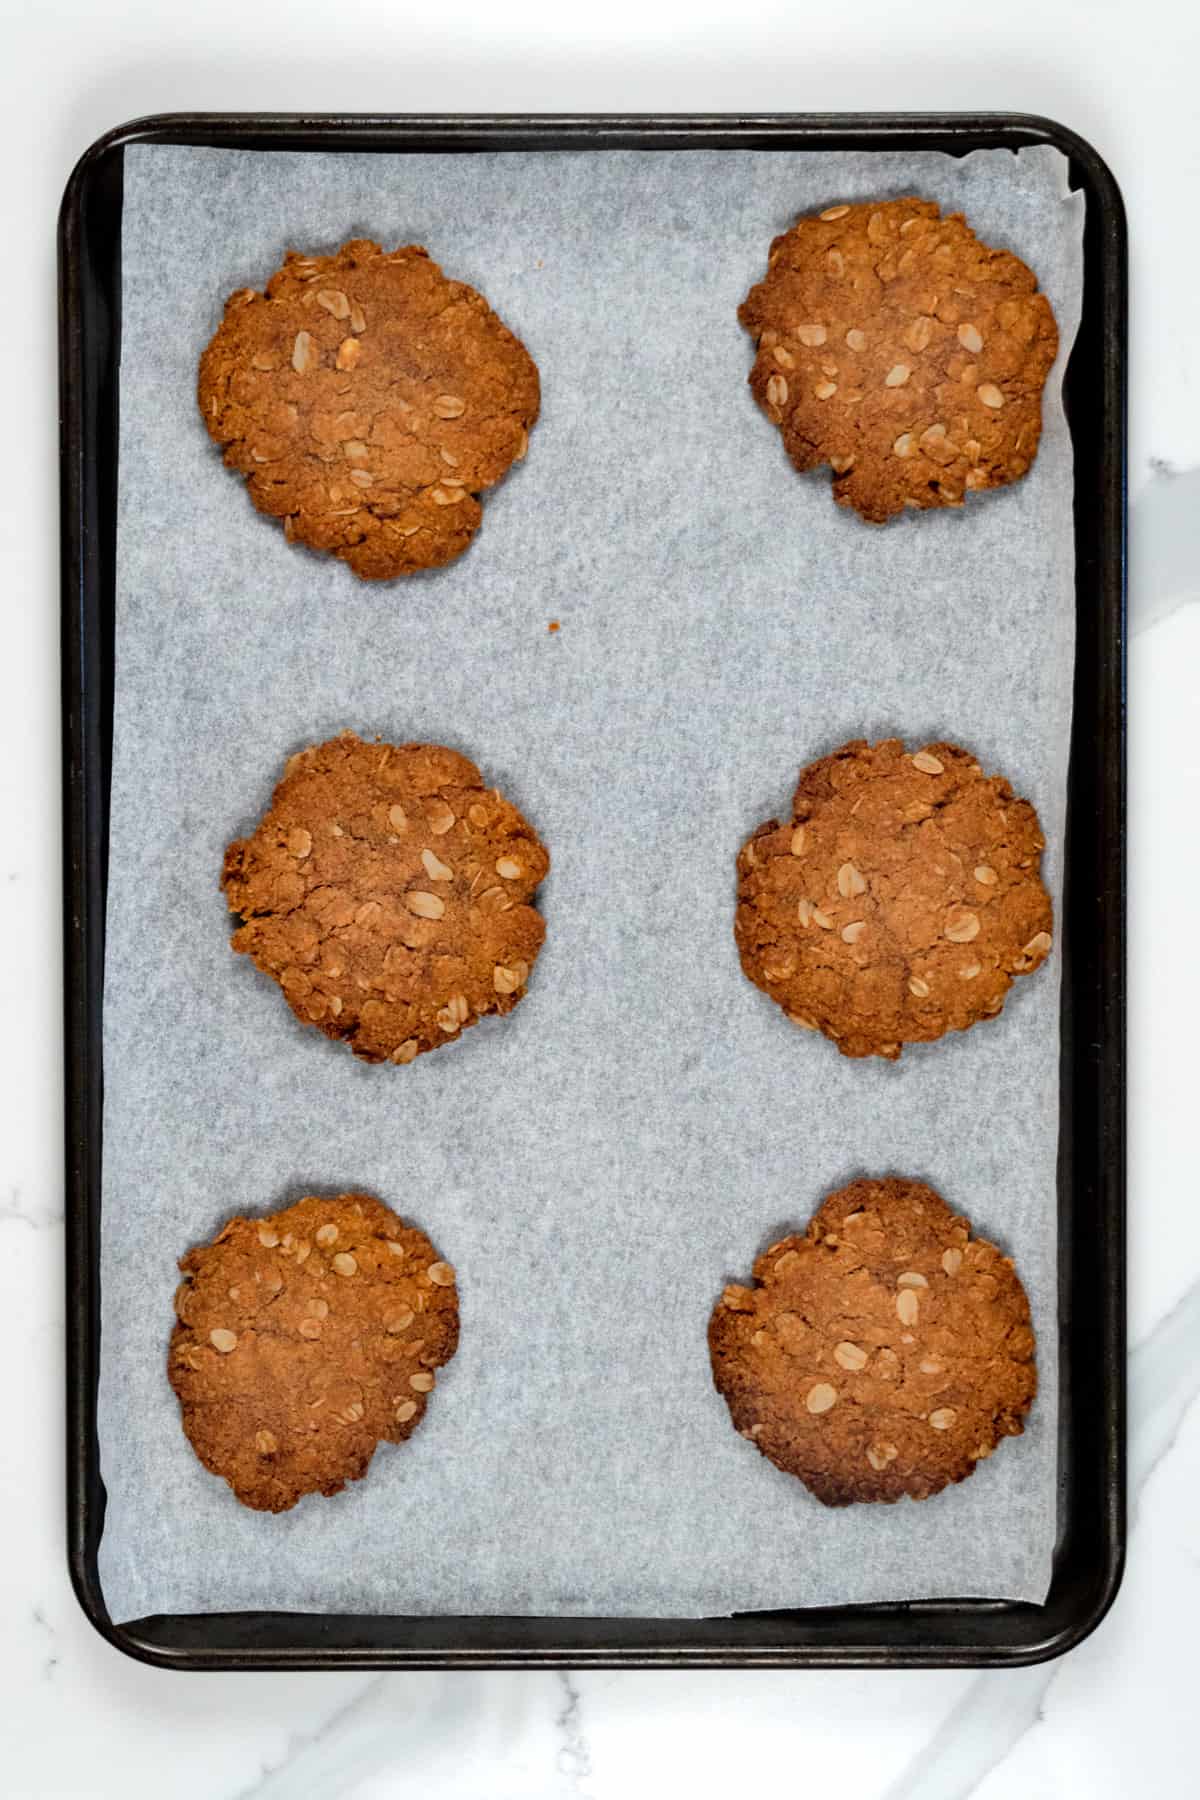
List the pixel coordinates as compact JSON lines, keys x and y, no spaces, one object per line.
{"x":1089,"y":1552}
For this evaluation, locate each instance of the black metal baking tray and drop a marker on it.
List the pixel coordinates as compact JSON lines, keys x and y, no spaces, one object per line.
{"x":1090,"y":1549}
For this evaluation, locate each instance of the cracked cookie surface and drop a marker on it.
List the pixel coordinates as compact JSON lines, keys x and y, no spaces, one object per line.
{"x":899,"y":903}
{"x":389,"y":893}
{"x":369,"y":400}
{"x":883,"y":1353}
{"x":303,"y":1340}
{"x":900,"y":350}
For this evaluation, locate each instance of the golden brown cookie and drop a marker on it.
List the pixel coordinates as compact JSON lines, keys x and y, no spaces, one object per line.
{"x":368,"y":401}
{"x":897,"y":348}
{"x":305,"y":1338}
{"x":389,"y":893}
{"x":900,"y":901}
{"x":883,"y":1353}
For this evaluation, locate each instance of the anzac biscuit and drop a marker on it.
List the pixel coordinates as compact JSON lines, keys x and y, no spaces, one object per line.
{"x":303,"y":1340}
{"x":389,"y":893}
{"x":897,"y":348}
{"x":883,"y":1353}
{"x":369,"y":401}
{"x":901,"y":900}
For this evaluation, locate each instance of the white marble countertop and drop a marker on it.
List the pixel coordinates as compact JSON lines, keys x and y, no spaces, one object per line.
{"x":1111,"y":1719}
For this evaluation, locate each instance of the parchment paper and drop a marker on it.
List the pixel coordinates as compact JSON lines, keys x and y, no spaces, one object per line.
{"x":598,"y":1165}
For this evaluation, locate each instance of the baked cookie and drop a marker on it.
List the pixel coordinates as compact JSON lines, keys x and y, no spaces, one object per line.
{"x":897,"y":348}
{"x":885,"y":1352}
{"x":389,"y":893}
{"x":899,"y":902}
{"x":305,"y":1338}
{"x":368,"y":401}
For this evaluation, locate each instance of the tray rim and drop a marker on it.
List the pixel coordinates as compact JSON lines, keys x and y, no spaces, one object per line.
{"x":84,"y":885}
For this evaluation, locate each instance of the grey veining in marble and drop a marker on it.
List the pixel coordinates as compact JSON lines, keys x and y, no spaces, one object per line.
{"x":1000,"y":1707}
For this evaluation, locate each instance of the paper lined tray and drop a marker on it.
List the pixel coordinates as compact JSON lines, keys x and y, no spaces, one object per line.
{"x":597,"y":1166}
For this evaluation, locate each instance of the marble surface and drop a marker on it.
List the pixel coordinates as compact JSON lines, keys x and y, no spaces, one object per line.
{"x":1111,"y":1720}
